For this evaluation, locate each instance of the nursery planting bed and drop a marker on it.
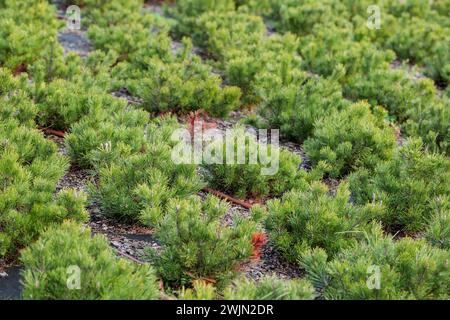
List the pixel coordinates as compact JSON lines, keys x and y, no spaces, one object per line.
{"x":90,"y":187}
{"x":133,"y":243}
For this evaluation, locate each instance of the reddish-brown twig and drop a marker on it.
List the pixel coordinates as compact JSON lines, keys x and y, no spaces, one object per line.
{"x":53,"y":132}
{"x":224,"y":196}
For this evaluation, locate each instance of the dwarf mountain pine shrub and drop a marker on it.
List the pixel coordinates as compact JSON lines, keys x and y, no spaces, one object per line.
{"x":218,"y":32}
{"x":14,"y":101}
{"x":368,"y":75}
{"x":295,"y":108}
{"x":253,"y":168}
{"x":149,"y":67}
{"x":136,"y":184}
{"x":238,"y":42}
{"x":437,"y":65}
{"x":31,"y":147}
{"x":413,"y":41}
{"x":378,"y":267}
{"x":419,"y":34}
{"x":413,"y":8}
{"x":408,"y":186}
{"x":266,"y":288}
{"x":411,"y":25}
{"x":414,"y":103}
{"x":23,"y":39}
{"x":246,"y":56}
{"x":18,"y":106}
{"x":193,"y":8}
{"x":431,"y":122}
{"x":63,"y":253}
{"x":62,"y":103}
{"x":29,"y":170}
{"x":186,"y":12}
{"x":352,"y":138}
{"x":375,"y":35}
{"x":196,"y":244}
{"x":330,"y":46}
{"x":106,"y":134}
{"x":265,"y":67}
{"x":200,"y":291}
{"x":123,"y":39}
{"x":120,"y":26}
{"x":309,"y":218}
{"x":78,"y":88}
{"x":71,"y":73}
{"x":392,"y":89}
{"x":302,"y":17}
{"x":180,"y":86}
{"x":270,"y":288}
{"x":438,"y":230}
{"x":442,"y":7}
{"x":96,"y":10}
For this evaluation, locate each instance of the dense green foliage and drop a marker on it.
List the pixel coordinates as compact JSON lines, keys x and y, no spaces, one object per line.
{"x":367,"y":62}
{"x":15,"y":103}
{"x":53,"y":264}
{"x":182,"y":86}
{"x":266,"y":288}
{"x":150,"y":68}
{"x":23,"y":41}
{"x":334,"y":41}
{"x":417,"y":30}
{"x":295,"y":109}
{"x":270,"y":288}
{"x":353,"y":138}
{"x":310,"y":218}
{"x":196,"y":244}
{"x":438,"y":230}
{"x":63,"y":103}
{"x":30,"y":166}
{"x":408,"y":186}
{"x":135,"y":184}
{"x":118,"y":129}
{"x":372,"y":198}
{"x":407,"y":269}
{"x":29,"y":170}
{"x":253,"y":168}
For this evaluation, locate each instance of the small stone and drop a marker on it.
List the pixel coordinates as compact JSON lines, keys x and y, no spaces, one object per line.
{"x":115,"y":244}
